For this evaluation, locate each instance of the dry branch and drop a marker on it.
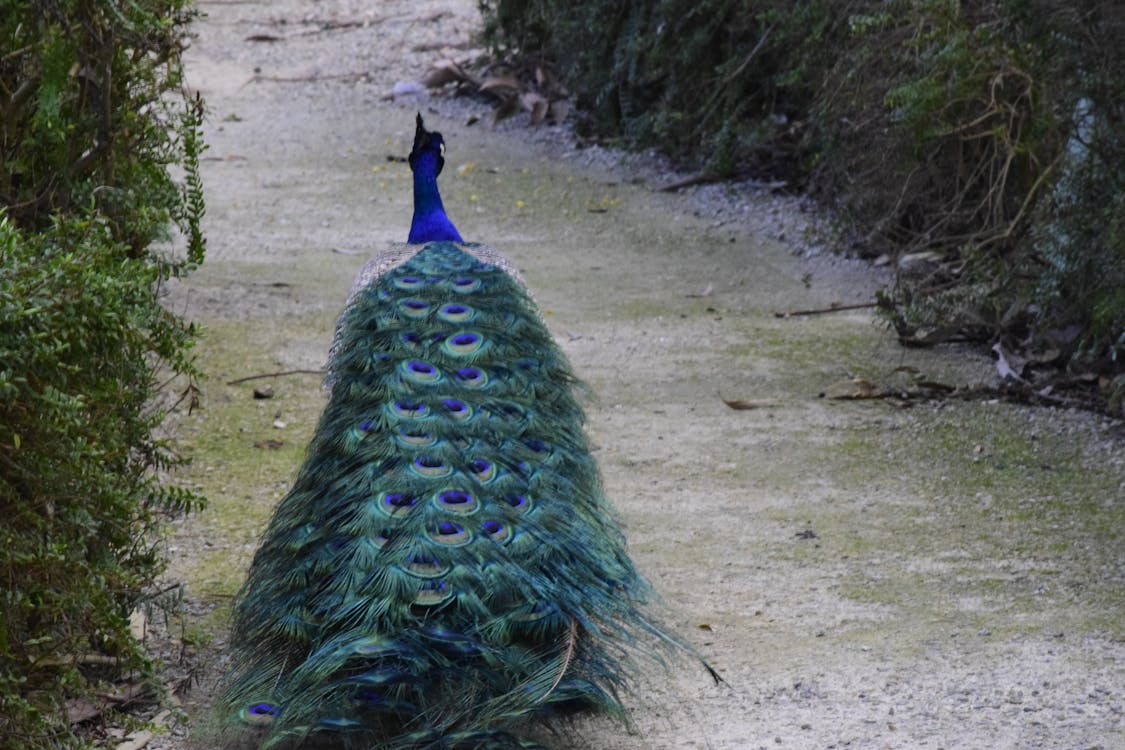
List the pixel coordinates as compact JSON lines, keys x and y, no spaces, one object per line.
{"x":834,"y":307}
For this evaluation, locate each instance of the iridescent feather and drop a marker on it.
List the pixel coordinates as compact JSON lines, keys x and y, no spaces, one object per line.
{"x":446,"y":567}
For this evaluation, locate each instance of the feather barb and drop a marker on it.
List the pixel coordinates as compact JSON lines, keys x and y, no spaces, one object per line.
{"x":571,"y":645}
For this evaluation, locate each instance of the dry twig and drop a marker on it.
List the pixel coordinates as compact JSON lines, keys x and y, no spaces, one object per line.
{"x":282,"y":373}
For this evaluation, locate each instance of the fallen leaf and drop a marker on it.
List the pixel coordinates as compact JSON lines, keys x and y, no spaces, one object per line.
{"x":501,"y":85}
{"x":271,"y":445}
{"x":442,"y":73}
{"x":536,"y":104}
{"x":448,"y":71}
{"x":79,"y":710}
{"x":858,"y":388}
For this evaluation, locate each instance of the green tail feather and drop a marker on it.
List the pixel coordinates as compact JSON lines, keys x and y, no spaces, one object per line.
{"x":446,"y":566}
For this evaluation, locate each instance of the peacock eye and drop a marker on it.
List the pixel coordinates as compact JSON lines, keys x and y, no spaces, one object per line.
{"x":441,"y":148}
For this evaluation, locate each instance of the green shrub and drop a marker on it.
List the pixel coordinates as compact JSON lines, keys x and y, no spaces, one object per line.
{"x":79,"y":330}
{"x":943,"y":130}
{"x":722,"y":82}
{"x":92,"y":115}
{"x":1010,"y":123}
{"x":93,"y":120}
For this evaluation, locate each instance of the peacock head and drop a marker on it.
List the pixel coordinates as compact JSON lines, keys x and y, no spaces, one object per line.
{"x":427,"y":143}
{"x":430,"y":222}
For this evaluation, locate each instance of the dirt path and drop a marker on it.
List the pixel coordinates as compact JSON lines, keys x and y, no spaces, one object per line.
{"x":862,"y":575}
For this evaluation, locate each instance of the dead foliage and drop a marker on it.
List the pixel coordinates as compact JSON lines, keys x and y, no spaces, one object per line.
{"x":514,"y":86}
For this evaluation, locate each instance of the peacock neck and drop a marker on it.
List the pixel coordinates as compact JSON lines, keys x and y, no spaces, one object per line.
{"x":427,"y":199}
{"x":430,"y":222}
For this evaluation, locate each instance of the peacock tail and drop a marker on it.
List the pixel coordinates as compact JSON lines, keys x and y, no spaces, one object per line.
{"x":446,"y":567}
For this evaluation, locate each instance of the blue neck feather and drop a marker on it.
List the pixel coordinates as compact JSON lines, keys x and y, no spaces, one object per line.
{"x":430,"y":222}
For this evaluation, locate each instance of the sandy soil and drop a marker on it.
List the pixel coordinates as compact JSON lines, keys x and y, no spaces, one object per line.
{"x":863,"y":575}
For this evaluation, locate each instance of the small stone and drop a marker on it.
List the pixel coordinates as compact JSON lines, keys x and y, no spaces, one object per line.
{"x":410,"y":91}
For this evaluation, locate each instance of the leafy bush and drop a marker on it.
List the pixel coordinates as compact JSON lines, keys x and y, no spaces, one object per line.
{"x":1008,"y":125}
{"x":93,"y":118}
{"x":86,"y":122}
{"x":985,"y":139}
{"x":724,"y":82}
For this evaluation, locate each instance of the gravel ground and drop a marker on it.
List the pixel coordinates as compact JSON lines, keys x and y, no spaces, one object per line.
{"x":863,"y":573}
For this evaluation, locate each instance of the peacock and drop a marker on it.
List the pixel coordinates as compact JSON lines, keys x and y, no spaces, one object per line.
{"x":446,"y":571}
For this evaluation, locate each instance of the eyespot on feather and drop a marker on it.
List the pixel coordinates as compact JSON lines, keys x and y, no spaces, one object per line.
{"x":484,"y":471}
{"x":259,"y":714}
{"x":414,"y":309}
{"x":496,"y":531}
{"x":414,"y":439}
{"x":535,"y":445}
{"x":425,"y":566}
{"x":463,"y":344}
{"x":519,"y":503}
{"x":432,"y":593}
{"x":409,"y":283}
{"x":430,"y":467}
{"x":456,"y":409}
{"x":465,"y":284}
{"x":409,"y":410}
{"x":449,"y":534}
{"x":392,"y":503}
{"x":420,"y":372}
{"x":456,"y":501}
{"x":455,"y":313}
{"x":471,"y":377}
